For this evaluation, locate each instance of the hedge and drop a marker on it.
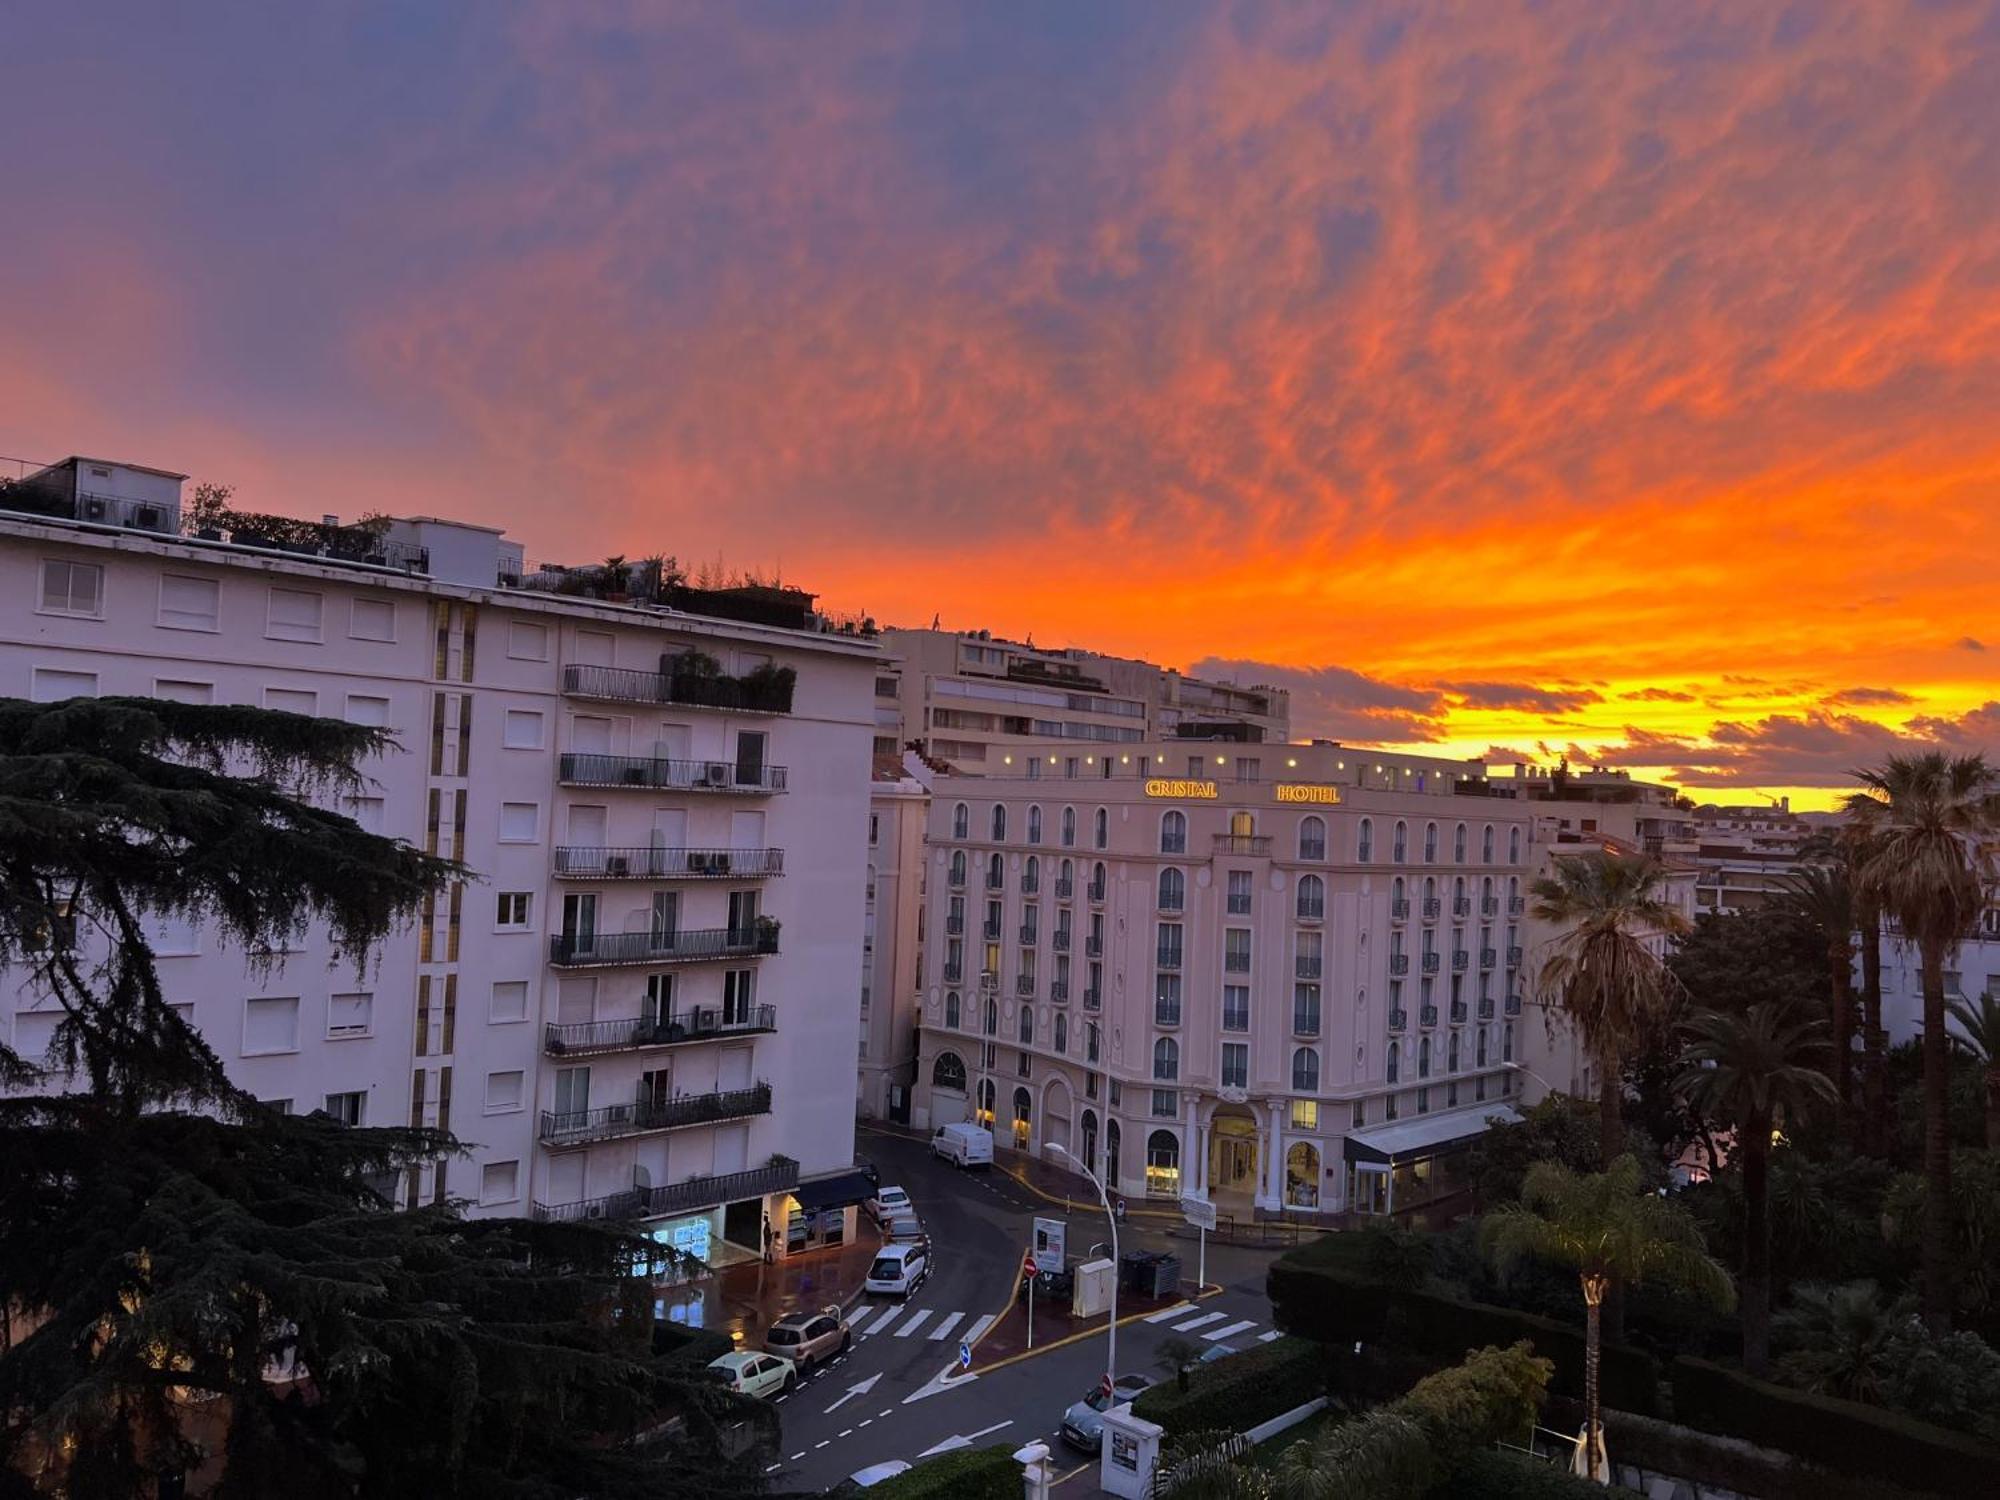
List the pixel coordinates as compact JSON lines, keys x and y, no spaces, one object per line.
{"x":1324,"y":1293}
{"x":967,"y":1474}
{"x":1844,"y":1436}
{"x":693,"y":1346}
{"x":1492,"y":1474}
{"x":1235,"y":1394}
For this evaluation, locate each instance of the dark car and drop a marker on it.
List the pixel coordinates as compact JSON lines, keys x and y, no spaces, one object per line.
{"x":1083,"y":1423}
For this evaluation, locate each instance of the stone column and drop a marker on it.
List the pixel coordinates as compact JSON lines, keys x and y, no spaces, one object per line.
{"x":1272,"y":1178}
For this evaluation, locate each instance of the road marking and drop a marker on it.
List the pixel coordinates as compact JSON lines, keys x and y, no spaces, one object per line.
{"x":945,"y":1325}
{"x":780,"y":1400}
{"x":916,"y":1321}
{"x":821,"y":1444}
{"x":964,"y":1439}
{"x":859,"y":1388}
{"x":889,"y":1315}
{"x":1168,"y":1312}
{"x":1217,"y":1335}
{"x":771,"y":1468}
{"x":864,"y":1422}
{"x":847,"y":1432}
{"x":1201,"y":1322}
{"x":1265,"y":1338}
{"x":979,"y":1326}
{"x":796,"y":1456}
{"x":885,"y":1411}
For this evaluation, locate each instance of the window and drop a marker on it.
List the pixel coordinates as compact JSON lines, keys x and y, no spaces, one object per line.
{"x":1062,"y":1032}
{"x":350,"y":1014}
{"x":1166,"y":1059}
{"x":1173,"y":833}
{"x":293,"y":615}
{"x":527,"y":641}
{"x":1163,"y":1164}
{"x":1480,"y":1047}
{"x":1167,"y":1000}
{"x":190,"y":603}
{"x":1513,"y":846}
{"x":1400,"y":851}
{"x":952,"y":1009}
{"x":509,"y":1001}
{"x":1069,"y":828}
{"x":1451,"y":1054}
{"x":1395,"y":1061}
{"x":1424,"y":1058}
{"x":1312,"y":898}
{"x":1486,"y":845}
{"x":1090,"y":1041}
{"x":522,"y":729}
{"x":1236,"y":950}
{"x":1364,"y":847}
{"x":514,"y":906}
{"x":1027,"y":1026}
{"x":72,"y":588}
{"x":1101,"y":828}
{"x":948,"y":1072}
{"x":504,"y":1092}
{"x":1458,"y":844}
{"x":1305,"y":1071}
{"x":499,"y":1182}
{"x":1507,"y":1043}
{"x":54,"y":685}
{"x":999,"y":823}
{"x":1305,"y":1010}
{"x":292,"y":700}
{"x":1235,"y":1065}
{"x":1430,"y":843}
{"x":1168,"y":954}
{"x":372,"y":620}
{"x":1034,"y":825}
{"x":171,"y":934}
{"x":367,"y":811}
{"x":518,"y":822}
{"x":1236,"y":1007}
{"x":1239,"y":893}
{"x":1249,"y":768}
{"x":1165,"y":1103}
{"x":179,"y":690}
{"x":958,"y":867}
{"x":1312,"y":838}
{"x":961,"y":821}
{"x":270,"y":1025}
{"x":349,"y":1108}
{"x":1173,"y":890}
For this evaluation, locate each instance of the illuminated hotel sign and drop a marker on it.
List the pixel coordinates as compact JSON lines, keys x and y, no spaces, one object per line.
{"x":1300,"y":792}
{"x":1161,"y":786}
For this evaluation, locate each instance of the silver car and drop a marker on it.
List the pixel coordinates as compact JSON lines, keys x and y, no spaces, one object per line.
{"x":1083,"y":1423}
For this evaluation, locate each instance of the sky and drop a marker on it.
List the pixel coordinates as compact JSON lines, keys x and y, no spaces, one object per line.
{"x":1611,"y":380}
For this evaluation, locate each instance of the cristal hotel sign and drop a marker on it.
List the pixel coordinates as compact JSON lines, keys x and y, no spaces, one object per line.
{"x":1163,"y":786}
{"x":1294,"y":791}
{"x":1186,"y":790}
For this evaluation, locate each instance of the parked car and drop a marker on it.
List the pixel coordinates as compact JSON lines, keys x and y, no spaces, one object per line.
{"x":886,"y":1201}
{"x":1083,"y":1423}
{"x":868,"y":1478}
{"x":904,"y":1229}
{"x":963,"y":1145}
{"x":899,"y":1270}
{"x":805,"y":1338}
{"x":751,"y":1373}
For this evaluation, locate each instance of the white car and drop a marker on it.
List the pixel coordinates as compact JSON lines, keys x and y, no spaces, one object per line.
{"x":751,"y":1372}
{"x":888,"y":1200}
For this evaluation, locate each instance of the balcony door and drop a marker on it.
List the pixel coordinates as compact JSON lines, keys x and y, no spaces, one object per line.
{"x":739,"y":996}
{"x":657,"y":1006}
{"x":579,"y":927}
{"x":656,"y":1087}
{"x":572,"y":1098}
{"x":666,"y":919}
{"x":743,"y":912}
{"x":750,"y":757}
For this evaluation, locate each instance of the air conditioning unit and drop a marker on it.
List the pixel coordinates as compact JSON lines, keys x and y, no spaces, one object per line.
{"x":617,"y":864}
{"x":149,"y":518}
{"x":594,"y":1209}
{"x":91,"y":508}
{"x":715,"y":773}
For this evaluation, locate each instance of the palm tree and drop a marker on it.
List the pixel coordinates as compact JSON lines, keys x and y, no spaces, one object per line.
{"x":1980,"y":1028}
{"x":1603,"y":969}
{"x":1821,"y":894}
{"x":1602,"y":1226}
{"x":1838,"y":1338}
{"x":1753,"y":1069}
{"x":1929,"y":814}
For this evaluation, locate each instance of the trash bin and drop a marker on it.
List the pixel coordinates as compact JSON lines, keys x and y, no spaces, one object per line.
{"x":1163,"y":1276}
{"x":1135,"y":1271}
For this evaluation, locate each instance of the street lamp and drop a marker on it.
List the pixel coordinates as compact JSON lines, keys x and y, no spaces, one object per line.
{"x":1111,"y":1328}
{"x":1524,"y":1068}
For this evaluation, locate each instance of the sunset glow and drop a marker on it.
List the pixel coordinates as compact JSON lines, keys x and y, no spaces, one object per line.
{"x":1617,"y":380}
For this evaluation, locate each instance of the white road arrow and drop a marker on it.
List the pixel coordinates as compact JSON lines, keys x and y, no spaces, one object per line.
{"x":963,"y":1440}
{"x":947,"y":1379}
{"x":861,"y":1388}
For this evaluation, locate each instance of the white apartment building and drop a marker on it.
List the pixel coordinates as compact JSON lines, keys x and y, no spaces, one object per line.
{"x":898,"y":816}
{"x":633,"y":1007}
{"x":968,"y":698}
{"x":1277,"y":976}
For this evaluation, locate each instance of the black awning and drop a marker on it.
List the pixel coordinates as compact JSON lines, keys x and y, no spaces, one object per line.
{"x":837,"y":1191}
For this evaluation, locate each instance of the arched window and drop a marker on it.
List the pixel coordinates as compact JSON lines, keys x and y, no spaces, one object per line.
{"x":1364,"y":846}
{"x":983,"y":1110}
{"x":1069,"y":828}
{"x":1395,"y":1060}
{"x":1396,"y":894}
{"x":1101,"y":828}
{"x":1458,"y":895}
{"x":1486,"y":896}
{"x":1507,"y":1043}
{"x":1027,"y":1026}
{"x":1034,"y":825}
{"x":958,"y":867}
{"x":1400,"y":851}
{"x":1513,"y":846}
{"x":1166,"y":1059}
{"x":1098,"y":881}
{"x":1312,"y":838}
{"x":1063,"y":880}
{"x":999,"y":823}
{"x":951,"y":1009}
{"x":1089,"y":1129}
{"x":1312,"y":898}
{"x":948,"y":1072}
{"x":1430,"y":895}
{"x":1424,"y":1058}
{"x":1031,"y":875}
{"x":961,"y":821}
{"x":1173,"y":889}
{"x":1513,"y":891}
{"x":1305,"y":1071}
{"x":1062,"y":1032}
{"x":992,"y":1017}
{"x":1451,"y":1054}
{"x":1480,"y":1048}
{"x":1113,"y":1138}
{"x":1430,"y":843}
{"x":1173,"y":832}
{"x":1458,"y":845}
{"x":1023,"y":1110}
{"x":1486,"y":845}
{"x":1090,"y":1041}
{"x":1302,"y":1175}
{"x":1163,"y":1163}
{"x":996,"y":871}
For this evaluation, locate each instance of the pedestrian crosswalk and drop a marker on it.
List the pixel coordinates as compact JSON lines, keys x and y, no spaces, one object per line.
{"x":903,"y":1322}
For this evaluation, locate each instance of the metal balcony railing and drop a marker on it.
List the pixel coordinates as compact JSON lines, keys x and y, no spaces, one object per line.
{"x":1513,"y":958}
{"x":1398,"y":1020}
{"x":1305,"y":1023}
{"x":647,"y":773}
{"x":1399,"y":911}
{"x":698,"y":1024}
{"x":1312,"y":911}
{"x":1092,"y":999}
{"x":1486,"y":1008}
{"x":1093,"y":947}
{"x":568,"y":1127}
{"x":1095,"y":892}
{"x":989,"y":930}
{"x":1460,"y":960}
{"x":1306,"y":966}
{"x":1064,"y":889}
{"x":1061,"y":940}
{"x":1024,"y":984}
{"x":1059,"y":992}
{"x":1427,"y":1015}
{"x":1488,"y":957}
{"x":956,"y":880}
{"x":1430,"y":963}
{"x":1461,"y":906}
{"x":1167,"y":958}
{"x":697,"y":1193}
{"x":954,"y":974}
{"x":1458,"y":1014}
{"x":955,"y":925}
{"x":687,"y":945}
{"x":996,"y":880}
{"x":729,"y":694}
{"x":1513,"y":1005}
{"x":1432,"y":907}
{"x":1489,"y":906}
{"x":1029,"y":934}
{"x":1030,"y":884}
{"x":1516,"y":905}
{"x":642,"y":862}
{"x":1242,"y":843}
{"x":1399,"y":963}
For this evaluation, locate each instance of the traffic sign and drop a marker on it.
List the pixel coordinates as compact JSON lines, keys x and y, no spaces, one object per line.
{"x":1199,"y":1212}
{"x":1104,"y":1385}
{"x":964,"y":1355}
{"x":1027,"y":1265}
{"x":1051,"y":1244}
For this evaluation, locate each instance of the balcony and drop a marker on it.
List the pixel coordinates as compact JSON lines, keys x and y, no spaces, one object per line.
{"x":1430,"y":963}
{"x":1399,"y":963}
{"x":1486,"y":1008}
{"x":1513,"y":1005}
{"x":688,"y":945}
{"x":1489,"y":906}
{"x":692,"y":1196}
{"x":1460,"y":960}
{"x":1029,"y":937}
{"x":1030,"y":884}
{"x":699,"y":1024}
{"x":1431,"y":909}
{"x":766,"y":691}
{"x":1093,"y":947}
{"x":954,"y":924}
{"x":1488,"y":957}
{"x":1061,"y":940}
{"x":1094,"y":892}
{"x":954,"y":974}
{"x":1312,"y":911}
{"x":1399,"y":910}
{"x":652,"y":774}
{"x":1092,"y":999}
{"x":1305,"y":1024}
{"x":1167,"y":958}
{"x":1398,"y":1020}
{"x":1236,"y":963}
{"x":590,"y":862}
{"x":1513,"y":958}
{"x":1065,"y":889}
{"x":1242,"y":843}
{"x":1427,"y":1015}
{"x":989,"y":930}
{"x":1306,"y":966}
{"x":1458,"y":1013}
{"x":1516,"y":905}
{"x":1024,"y":984}
{"x":996,"y":880}
{"x":956,"y":879}
{"x":574,"y":1127}
{"x":1059,"y":993}
{"x":1461,"y":906}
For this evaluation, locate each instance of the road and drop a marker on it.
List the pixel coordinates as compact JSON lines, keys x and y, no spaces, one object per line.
{"x":882,"y":1399}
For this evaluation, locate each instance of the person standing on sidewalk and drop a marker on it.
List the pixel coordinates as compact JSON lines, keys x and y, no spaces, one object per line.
{"x":769,"y":1238}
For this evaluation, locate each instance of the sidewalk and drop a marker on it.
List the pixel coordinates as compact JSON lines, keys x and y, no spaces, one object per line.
{"x":1007,"y":1338}
{"x":744,"y":1300}
{"x":1046,"y":1179}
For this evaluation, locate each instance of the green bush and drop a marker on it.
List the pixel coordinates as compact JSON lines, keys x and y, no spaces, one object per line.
{"x":1490,"y":1474}
{"x":1237,"y":1393}
{"x":967,"y":1474}
{"x":1844,"y":1436}
{"x":1495,"y":1394}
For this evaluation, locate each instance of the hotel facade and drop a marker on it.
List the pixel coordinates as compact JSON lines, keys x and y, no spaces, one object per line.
{"x":632,"y":1006}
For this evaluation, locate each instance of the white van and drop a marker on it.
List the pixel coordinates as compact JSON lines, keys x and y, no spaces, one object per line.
{"x":899,"y":1270}
{"x":963,"y":1145}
